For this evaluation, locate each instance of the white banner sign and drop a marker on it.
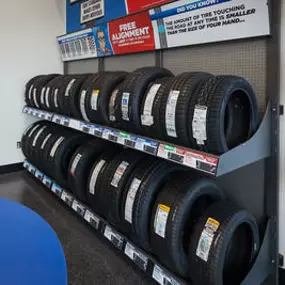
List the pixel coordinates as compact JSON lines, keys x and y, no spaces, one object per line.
{"x":91,"y":10}
{"x":190,"y":22}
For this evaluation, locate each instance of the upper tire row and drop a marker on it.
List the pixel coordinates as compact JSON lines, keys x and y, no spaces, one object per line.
{"x":194,"y":109}
{"x":180,"y":217}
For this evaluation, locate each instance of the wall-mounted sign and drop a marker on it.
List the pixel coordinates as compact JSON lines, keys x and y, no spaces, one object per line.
{"x":113,"y":9}
{"x":198,"y":21}
{"x":181,"y":23}
{"x":91,"y":10}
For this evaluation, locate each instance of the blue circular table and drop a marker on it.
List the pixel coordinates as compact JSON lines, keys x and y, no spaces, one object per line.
{"x":30,"y":252}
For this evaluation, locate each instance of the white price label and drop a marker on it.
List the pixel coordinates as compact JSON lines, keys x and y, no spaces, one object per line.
{"x":139,"y":258}
{"x":147,"y":118}
{"x":119,"y":173}
{"x":94,"y":177}
{"x":160,"y":221}
{"x":206,"y":239}
{"x":92,"y":219}
{"x":125,"y":106}
{"x":170,"y":114}
{"x":199,"y":124}
{"x":130,"y":199}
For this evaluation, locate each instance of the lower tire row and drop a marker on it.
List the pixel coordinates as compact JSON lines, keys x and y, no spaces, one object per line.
{"x":175,"y":214}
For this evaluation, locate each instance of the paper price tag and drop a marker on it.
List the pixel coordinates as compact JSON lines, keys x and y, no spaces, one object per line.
{"x":78,"y":208}
{"x":98,"y":131}
{"x":86,"y":128}
{"x":113,"y":136}
{"x":146,"y":145}
{"x":136,"y":256}
{"x":26,"y":164}
{"x":56,"y":189}
{"x":92,"y":219}
{"x":32,"y":169}
{"x":57,"y":119}
{"x":39,"y":175}
{"x":64,"y":121}
{"x":67,"y":198}
{"x":47,"y":182}
{"x":162,"y":277}
{"x":171,"y":153}
{"x":114,"y":237}
{"x":106,"y":133}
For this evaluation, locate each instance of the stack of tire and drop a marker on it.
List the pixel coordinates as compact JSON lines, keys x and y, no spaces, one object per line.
{"x":179,"y":216}
{"x":194,"y":109}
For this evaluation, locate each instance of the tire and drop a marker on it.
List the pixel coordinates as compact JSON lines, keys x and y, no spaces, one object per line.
{"x":39,"y":89}
{"x":25,"y":137}
{"x":32,"y":148}
{"x":61,"y":154}
{"x":96,"y":178}
{"x":29,"y":87}
{"x":230,"y":112}
{"x":113,"y":106}
{"x":83,"y":93}
{"x":230,"y":250}
{"x":145,"y":199}
{"x":80,"y":166}
{"x":174,"y":106}
{"x":69,"y":101}
{"x":114,"y":181}
{"x":141,"y":171}
{"x":52,"y":99}
{"x":47,"y":93}
{"x":182,"y":201}
{"x":46,"y":148}
{"x":98,"y":96}
{"x":150,"y":106}
{"x":131,"y":94}
{"x":64,"y":92}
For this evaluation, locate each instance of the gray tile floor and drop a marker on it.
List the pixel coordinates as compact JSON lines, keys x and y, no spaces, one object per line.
{"x":90,"y":260}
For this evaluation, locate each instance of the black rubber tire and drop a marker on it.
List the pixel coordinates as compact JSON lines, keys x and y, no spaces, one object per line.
{"x":186,"y":84}
{"x":39,"y":89}
{"x":184,"y":199}
{"x":96,"y":178}
{"x":39,"y":162}
{"x":141,"y":171}
{"x":63,"y":154}
{"x":232,"y":113}
{"x":46,"y":147}
{"x":25,"y":137}
{"x":32,"y":148}
{"x":154,"y":90}
{"x":49,"y":87}
{"x":64,"y":92}
{"x":80,"y":166}
{"x":113,"y":188}
{"x":135,"y":86}
{"x":53,"y":97}
{"x":83,"y":94}
{"x":113,"y":106}
{"x":145,"y":198}
{"x":98,"y":110}
{"x":70,"y":100}
{"x":229,"y":255}
{"x":29,"y":87}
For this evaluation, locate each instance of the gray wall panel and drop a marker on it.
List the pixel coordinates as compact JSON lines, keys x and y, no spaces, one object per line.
{"x":82,"y":66}
{"x":243,"y":58}
{"x":129,"y":62}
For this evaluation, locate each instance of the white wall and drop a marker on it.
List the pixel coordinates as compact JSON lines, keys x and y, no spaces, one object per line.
{"x":28,"y":31}
{"x":282,"y":141}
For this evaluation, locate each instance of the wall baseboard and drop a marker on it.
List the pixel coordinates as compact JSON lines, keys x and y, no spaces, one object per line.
{"x":9,"y":168}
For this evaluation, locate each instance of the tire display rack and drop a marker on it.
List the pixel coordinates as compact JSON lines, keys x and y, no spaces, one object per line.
{"x":257,"y":148}
{"x":144,"y":261}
